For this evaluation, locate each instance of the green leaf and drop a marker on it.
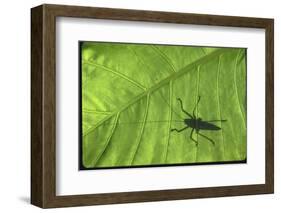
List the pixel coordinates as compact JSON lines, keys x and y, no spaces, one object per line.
{"x":130,"y":106}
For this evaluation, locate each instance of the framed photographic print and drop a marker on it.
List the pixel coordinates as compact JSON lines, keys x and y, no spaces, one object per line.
{"x":136,"y":106}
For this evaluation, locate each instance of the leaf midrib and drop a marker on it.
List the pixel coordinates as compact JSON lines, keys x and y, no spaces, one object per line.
{"x":160,"y":84}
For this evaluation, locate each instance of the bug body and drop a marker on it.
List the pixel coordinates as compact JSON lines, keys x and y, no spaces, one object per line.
{"x":197,"y":124}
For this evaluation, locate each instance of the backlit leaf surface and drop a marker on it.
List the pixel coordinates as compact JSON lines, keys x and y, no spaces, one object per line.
{"x":129,"y":104}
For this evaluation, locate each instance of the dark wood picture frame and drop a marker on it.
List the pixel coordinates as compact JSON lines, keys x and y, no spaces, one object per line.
{"x":43,"y":105}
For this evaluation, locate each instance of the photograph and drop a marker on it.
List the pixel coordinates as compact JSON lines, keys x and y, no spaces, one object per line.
{"x":161,"y":105}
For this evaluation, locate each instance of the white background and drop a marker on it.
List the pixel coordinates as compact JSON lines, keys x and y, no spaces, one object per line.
{"x":15,"y":105}
{"x":71,"y":181}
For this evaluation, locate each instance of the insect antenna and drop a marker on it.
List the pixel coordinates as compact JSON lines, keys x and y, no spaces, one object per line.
{"x":216,"y":121}
{"x":141,"y":122}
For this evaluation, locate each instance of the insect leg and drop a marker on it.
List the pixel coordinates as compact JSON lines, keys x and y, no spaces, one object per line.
{"x":196,"y":105}
{"x":213,"y":142}
{"x":179,"y":130}
{"x":191,"y":133}
{"x":181,"y":105}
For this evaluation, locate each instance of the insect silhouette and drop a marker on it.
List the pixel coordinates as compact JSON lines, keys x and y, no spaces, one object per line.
{"x":197,"y":124}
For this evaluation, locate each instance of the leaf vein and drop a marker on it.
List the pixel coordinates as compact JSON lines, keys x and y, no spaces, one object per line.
{"x":219,"y":107}
{"x":116,"y":73}
{"x":96,"y":111}
{"x":142,"y":128}
{"x":164,"y":57}
{"x":196,"y":98}
{"x":108,"y":139}
{"x":169,"y":120}
{"x":237,"y":96}
{"x":236,"y":89}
